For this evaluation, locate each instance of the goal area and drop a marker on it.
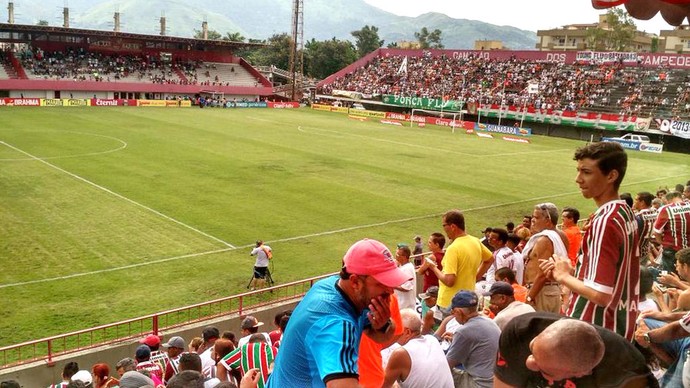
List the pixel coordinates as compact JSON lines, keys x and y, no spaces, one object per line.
{"x":419,"y":116}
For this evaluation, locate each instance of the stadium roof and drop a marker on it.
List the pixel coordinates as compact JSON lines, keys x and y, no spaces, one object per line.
{"x":52,"y":30}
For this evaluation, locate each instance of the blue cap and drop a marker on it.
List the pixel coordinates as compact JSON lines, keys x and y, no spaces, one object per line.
{"x":142,"y":353}
{"x":464,"y":298}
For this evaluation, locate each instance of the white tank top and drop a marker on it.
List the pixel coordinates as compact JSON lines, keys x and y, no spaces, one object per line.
{"x":429,"y":366}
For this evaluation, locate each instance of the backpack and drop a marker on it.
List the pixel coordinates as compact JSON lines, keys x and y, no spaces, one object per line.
{"x":268,"y":252}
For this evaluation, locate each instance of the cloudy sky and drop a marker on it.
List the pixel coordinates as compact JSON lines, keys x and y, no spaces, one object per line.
{"x":530,"y":15}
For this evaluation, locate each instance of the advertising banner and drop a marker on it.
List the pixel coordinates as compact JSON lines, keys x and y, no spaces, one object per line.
{"x":628,"y":145}
{"x":430,"y":120}
{"x":330,"y":108}
{"x":20,"y":102}
{"x":252,"y":104}
{"x":423,"y":102}
{"x":75,"y":102}
{"x":636,"y":145}
{"x":326,"y":108}
{"x":504,"y":129}
{"x":160,"y":103}
{"x":367,"y":113}
{"x":283,"y":105}
{"x":649,"y":147}
{"x":105,"y":102}
{"x":51,"y":102}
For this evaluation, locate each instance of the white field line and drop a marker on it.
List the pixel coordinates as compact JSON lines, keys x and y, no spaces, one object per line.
{"x":100,"y":271}
{"x":123,"y":145}
{"x":436,"y":149}
{"x":338,"y":134}
{"x":119,"y":195}
{"x":330,"y":232}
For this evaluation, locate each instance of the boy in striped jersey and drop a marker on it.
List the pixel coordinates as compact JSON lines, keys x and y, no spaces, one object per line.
{"x":646,"y":216}
{"x":605,"y":288}
{"x":672,"y":229}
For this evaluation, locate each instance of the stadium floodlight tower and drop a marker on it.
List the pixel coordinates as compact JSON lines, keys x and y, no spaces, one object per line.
{"x":297,"y":46}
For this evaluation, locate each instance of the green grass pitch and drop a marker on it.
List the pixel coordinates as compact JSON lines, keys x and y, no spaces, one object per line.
{"x":113,"y":213}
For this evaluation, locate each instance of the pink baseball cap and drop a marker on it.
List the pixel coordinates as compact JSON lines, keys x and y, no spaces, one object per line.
{"x":370,"y":257}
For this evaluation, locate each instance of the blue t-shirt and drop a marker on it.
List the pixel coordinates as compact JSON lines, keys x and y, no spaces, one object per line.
{"x":321,"y":341}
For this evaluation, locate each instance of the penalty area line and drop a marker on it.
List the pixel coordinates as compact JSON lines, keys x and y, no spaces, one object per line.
{"x":133,"y":202}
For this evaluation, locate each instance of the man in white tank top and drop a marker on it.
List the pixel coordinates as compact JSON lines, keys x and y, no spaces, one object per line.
{"x":419,"y":362}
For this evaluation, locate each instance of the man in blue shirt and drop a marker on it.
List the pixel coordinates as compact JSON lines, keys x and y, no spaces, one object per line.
{"x":320,"y":344}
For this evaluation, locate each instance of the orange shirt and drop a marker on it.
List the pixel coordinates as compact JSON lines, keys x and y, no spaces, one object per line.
{"x":370,"y":361}
{"x":574,"y":239}
{"x":520,"y":292}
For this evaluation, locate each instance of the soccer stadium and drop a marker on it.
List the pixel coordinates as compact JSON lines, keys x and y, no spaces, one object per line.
{"x":145,"y":178}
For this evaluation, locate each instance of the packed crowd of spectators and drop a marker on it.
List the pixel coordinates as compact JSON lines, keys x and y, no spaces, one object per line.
{"x":211,"y":360}
{"x":82,"y":65}
{"x":561,"y":87}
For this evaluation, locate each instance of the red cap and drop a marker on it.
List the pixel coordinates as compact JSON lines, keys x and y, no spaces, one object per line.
{"x":370,"y":257}
{"x":151,"y":340}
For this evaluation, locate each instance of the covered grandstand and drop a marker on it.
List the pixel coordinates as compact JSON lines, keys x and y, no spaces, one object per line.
{"x":57,"y":62}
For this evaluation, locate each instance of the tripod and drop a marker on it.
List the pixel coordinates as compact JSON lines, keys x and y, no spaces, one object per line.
{"x":268,"y":278}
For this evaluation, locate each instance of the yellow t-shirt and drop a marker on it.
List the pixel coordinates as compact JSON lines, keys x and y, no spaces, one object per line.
{"x":463,"y":258}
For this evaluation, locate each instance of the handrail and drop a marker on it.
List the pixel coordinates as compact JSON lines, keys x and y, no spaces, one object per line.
{"x":47,"y":349}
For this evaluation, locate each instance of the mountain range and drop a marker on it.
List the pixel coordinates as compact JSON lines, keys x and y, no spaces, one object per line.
{"x":260,"y":19}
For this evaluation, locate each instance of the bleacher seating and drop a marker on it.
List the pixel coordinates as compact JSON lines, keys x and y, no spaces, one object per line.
{"x":212,"y":73}
{"x":6,"y":70}
{"x":79,"y":65}
{"x":610,"y":88}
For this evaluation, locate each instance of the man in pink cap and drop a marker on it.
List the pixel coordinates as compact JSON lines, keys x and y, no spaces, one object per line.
{"x":320,"y":344}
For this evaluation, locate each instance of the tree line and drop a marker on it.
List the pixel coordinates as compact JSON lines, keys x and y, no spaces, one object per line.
{"x":322,"y":58}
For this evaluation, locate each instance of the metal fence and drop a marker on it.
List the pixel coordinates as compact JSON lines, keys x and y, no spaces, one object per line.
{"x":47,"y":349}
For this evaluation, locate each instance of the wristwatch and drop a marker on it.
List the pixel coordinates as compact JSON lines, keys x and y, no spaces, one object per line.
{"x":647,"y":338}
{"x":385,"y":327}
{"x":529,"y":299}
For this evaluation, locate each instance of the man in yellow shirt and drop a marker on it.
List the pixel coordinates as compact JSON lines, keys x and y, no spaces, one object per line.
{"x":465,"y":261}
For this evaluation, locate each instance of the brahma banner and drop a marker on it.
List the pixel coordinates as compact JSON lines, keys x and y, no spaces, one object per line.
{"x":20,"y":102}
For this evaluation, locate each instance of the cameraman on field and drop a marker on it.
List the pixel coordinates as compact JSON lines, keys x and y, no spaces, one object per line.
{"x":263,"y":255}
